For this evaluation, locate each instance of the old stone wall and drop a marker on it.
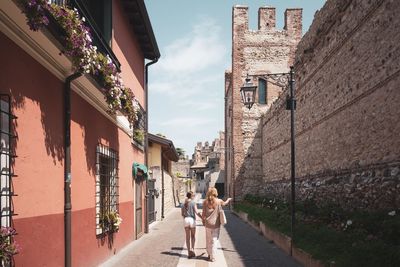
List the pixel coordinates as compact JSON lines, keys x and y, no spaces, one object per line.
{"x":256,"y":52}
{"x":169,"y":187}
{"x":182,"y":167}
{"x":221,"y":150}
{"x":348,"y":109}
{"x":175,"y":191}
{"x":228,"y":134}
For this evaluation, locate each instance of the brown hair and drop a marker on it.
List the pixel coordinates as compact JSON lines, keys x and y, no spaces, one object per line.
{"x":189,"y":196}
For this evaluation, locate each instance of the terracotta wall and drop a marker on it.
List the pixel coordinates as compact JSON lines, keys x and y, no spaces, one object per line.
{"x":38,"y":103}
{"x":88,"y":129}
{"x":127,"y":49}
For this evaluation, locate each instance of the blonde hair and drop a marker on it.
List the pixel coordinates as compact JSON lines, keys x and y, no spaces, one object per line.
{"x":212,"y":194}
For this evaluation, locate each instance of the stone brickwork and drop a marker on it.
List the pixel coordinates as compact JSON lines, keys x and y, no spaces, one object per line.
{"x":228,"y":134}
{"x":372,"y":187}
{"x":182,"y":167}
{"x":255,"y":52}
{"x":220,"y":148}
{"x":169,"y":189}
{"x":348,"y":109}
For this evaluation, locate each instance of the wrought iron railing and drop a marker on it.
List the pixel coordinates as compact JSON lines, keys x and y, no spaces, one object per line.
{"x":139,"y":131}
{"x":97,"y":37}
{"x":6,"y":161}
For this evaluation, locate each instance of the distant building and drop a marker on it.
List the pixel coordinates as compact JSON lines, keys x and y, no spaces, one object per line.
{"x":162,"y":155}
{"x":207,"y":165}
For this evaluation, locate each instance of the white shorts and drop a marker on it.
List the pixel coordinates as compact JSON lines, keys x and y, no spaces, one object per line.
{"x":189,"y":222}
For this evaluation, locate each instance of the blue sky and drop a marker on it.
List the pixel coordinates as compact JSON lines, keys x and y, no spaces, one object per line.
{"x":186,"y":86}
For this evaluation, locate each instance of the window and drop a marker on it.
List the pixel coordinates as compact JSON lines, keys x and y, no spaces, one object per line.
{"x":106,"y":187}
{"x":100,"y":14}
{"x":139,"y":129}
{"x":6,"y":156}
{"x":262,"y":91}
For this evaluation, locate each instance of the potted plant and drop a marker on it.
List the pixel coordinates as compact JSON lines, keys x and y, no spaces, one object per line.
{"x":110,"y":221}
{"x":8,"y":247}
{"x":138,"y":136}
{"x":78,"y":46}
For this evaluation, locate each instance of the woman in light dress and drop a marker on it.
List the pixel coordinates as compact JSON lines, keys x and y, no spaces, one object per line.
{"x":211,"y":207}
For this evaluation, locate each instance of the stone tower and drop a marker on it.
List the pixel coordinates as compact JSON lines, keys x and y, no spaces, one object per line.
{"x":265,"y":50}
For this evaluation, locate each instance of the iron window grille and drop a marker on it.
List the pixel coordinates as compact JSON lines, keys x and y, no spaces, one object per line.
{"x":140,"y":123}
{"x":139,"y":131}
{"x":6,"y":161}
{"x":107,"y":186}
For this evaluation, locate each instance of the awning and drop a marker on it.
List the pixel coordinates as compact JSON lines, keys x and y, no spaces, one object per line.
{"x":137,"y":169}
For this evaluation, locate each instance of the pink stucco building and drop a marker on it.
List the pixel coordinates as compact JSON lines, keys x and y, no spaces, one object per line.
{"x":97,"y":176}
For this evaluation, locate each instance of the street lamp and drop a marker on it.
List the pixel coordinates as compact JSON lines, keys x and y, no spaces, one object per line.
{"x":282,"y":80}
{"x":248,"y":93}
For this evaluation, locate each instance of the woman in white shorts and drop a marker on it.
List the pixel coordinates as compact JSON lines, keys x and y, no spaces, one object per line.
{"x":189,"y":212}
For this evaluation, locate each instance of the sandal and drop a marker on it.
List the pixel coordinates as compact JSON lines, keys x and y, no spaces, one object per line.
{"x":191,"y":254}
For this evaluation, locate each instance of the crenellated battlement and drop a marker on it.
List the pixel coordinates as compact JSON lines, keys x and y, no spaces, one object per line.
{"x":294,"y":21}
{"x":199,"y":145}
{"x":267,"y":19}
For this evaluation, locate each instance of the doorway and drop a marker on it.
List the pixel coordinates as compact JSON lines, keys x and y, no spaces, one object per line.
{"x":138,"y":208}
{"x":152,"y":212}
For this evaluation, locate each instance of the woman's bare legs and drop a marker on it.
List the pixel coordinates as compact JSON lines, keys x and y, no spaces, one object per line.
{"x":193,"y":237}
{"x":187,"y":234}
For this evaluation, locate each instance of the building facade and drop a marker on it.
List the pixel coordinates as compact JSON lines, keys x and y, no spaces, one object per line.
{"x":254,"y":53}
{"x":162,"y":155}
{"x":208,"y":166}
{"x":74,"y":157}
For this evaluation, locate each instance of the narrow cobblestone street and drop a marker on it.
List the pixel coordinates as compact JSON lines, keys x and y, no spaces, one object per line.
{"x":240,"y":245}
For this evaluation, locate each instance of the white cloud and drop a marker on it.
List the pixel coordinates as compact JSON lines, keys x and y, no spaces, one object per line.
{"x":187,"y":122}
{"x":186,"y":86}
{"x":210,"y":104}
{"x":201,"y":48}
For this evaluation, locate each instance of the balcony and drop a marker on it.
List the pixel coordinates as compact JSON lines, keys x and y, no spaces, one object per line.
{"x":98,"y":37}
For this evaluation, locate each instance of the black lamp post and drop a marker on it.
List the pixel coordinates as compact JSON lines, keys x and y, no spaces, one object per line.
{"x":282,"y":80}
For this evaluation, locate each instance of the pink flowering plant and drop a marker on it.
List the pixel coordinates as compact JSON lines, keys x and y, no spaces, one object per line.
{"x":35,"y":11}
{"x":84,"y":55}
{"x":8,"y":247}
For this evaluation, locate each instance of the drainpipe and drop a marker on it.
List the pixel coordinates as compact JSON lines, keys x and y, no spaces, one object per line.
{"x":146,"y":143}
{"x":162,"y":186}
{"x":67,"y":167}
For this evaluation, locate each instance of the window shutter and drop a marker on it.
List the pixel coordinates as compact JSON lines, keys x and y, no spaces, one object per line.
{"x":262,"y":91}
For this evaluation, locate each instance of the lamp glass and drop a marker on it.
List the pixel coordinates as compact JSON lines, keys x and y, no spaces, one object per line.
{"x":248,"y":93}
